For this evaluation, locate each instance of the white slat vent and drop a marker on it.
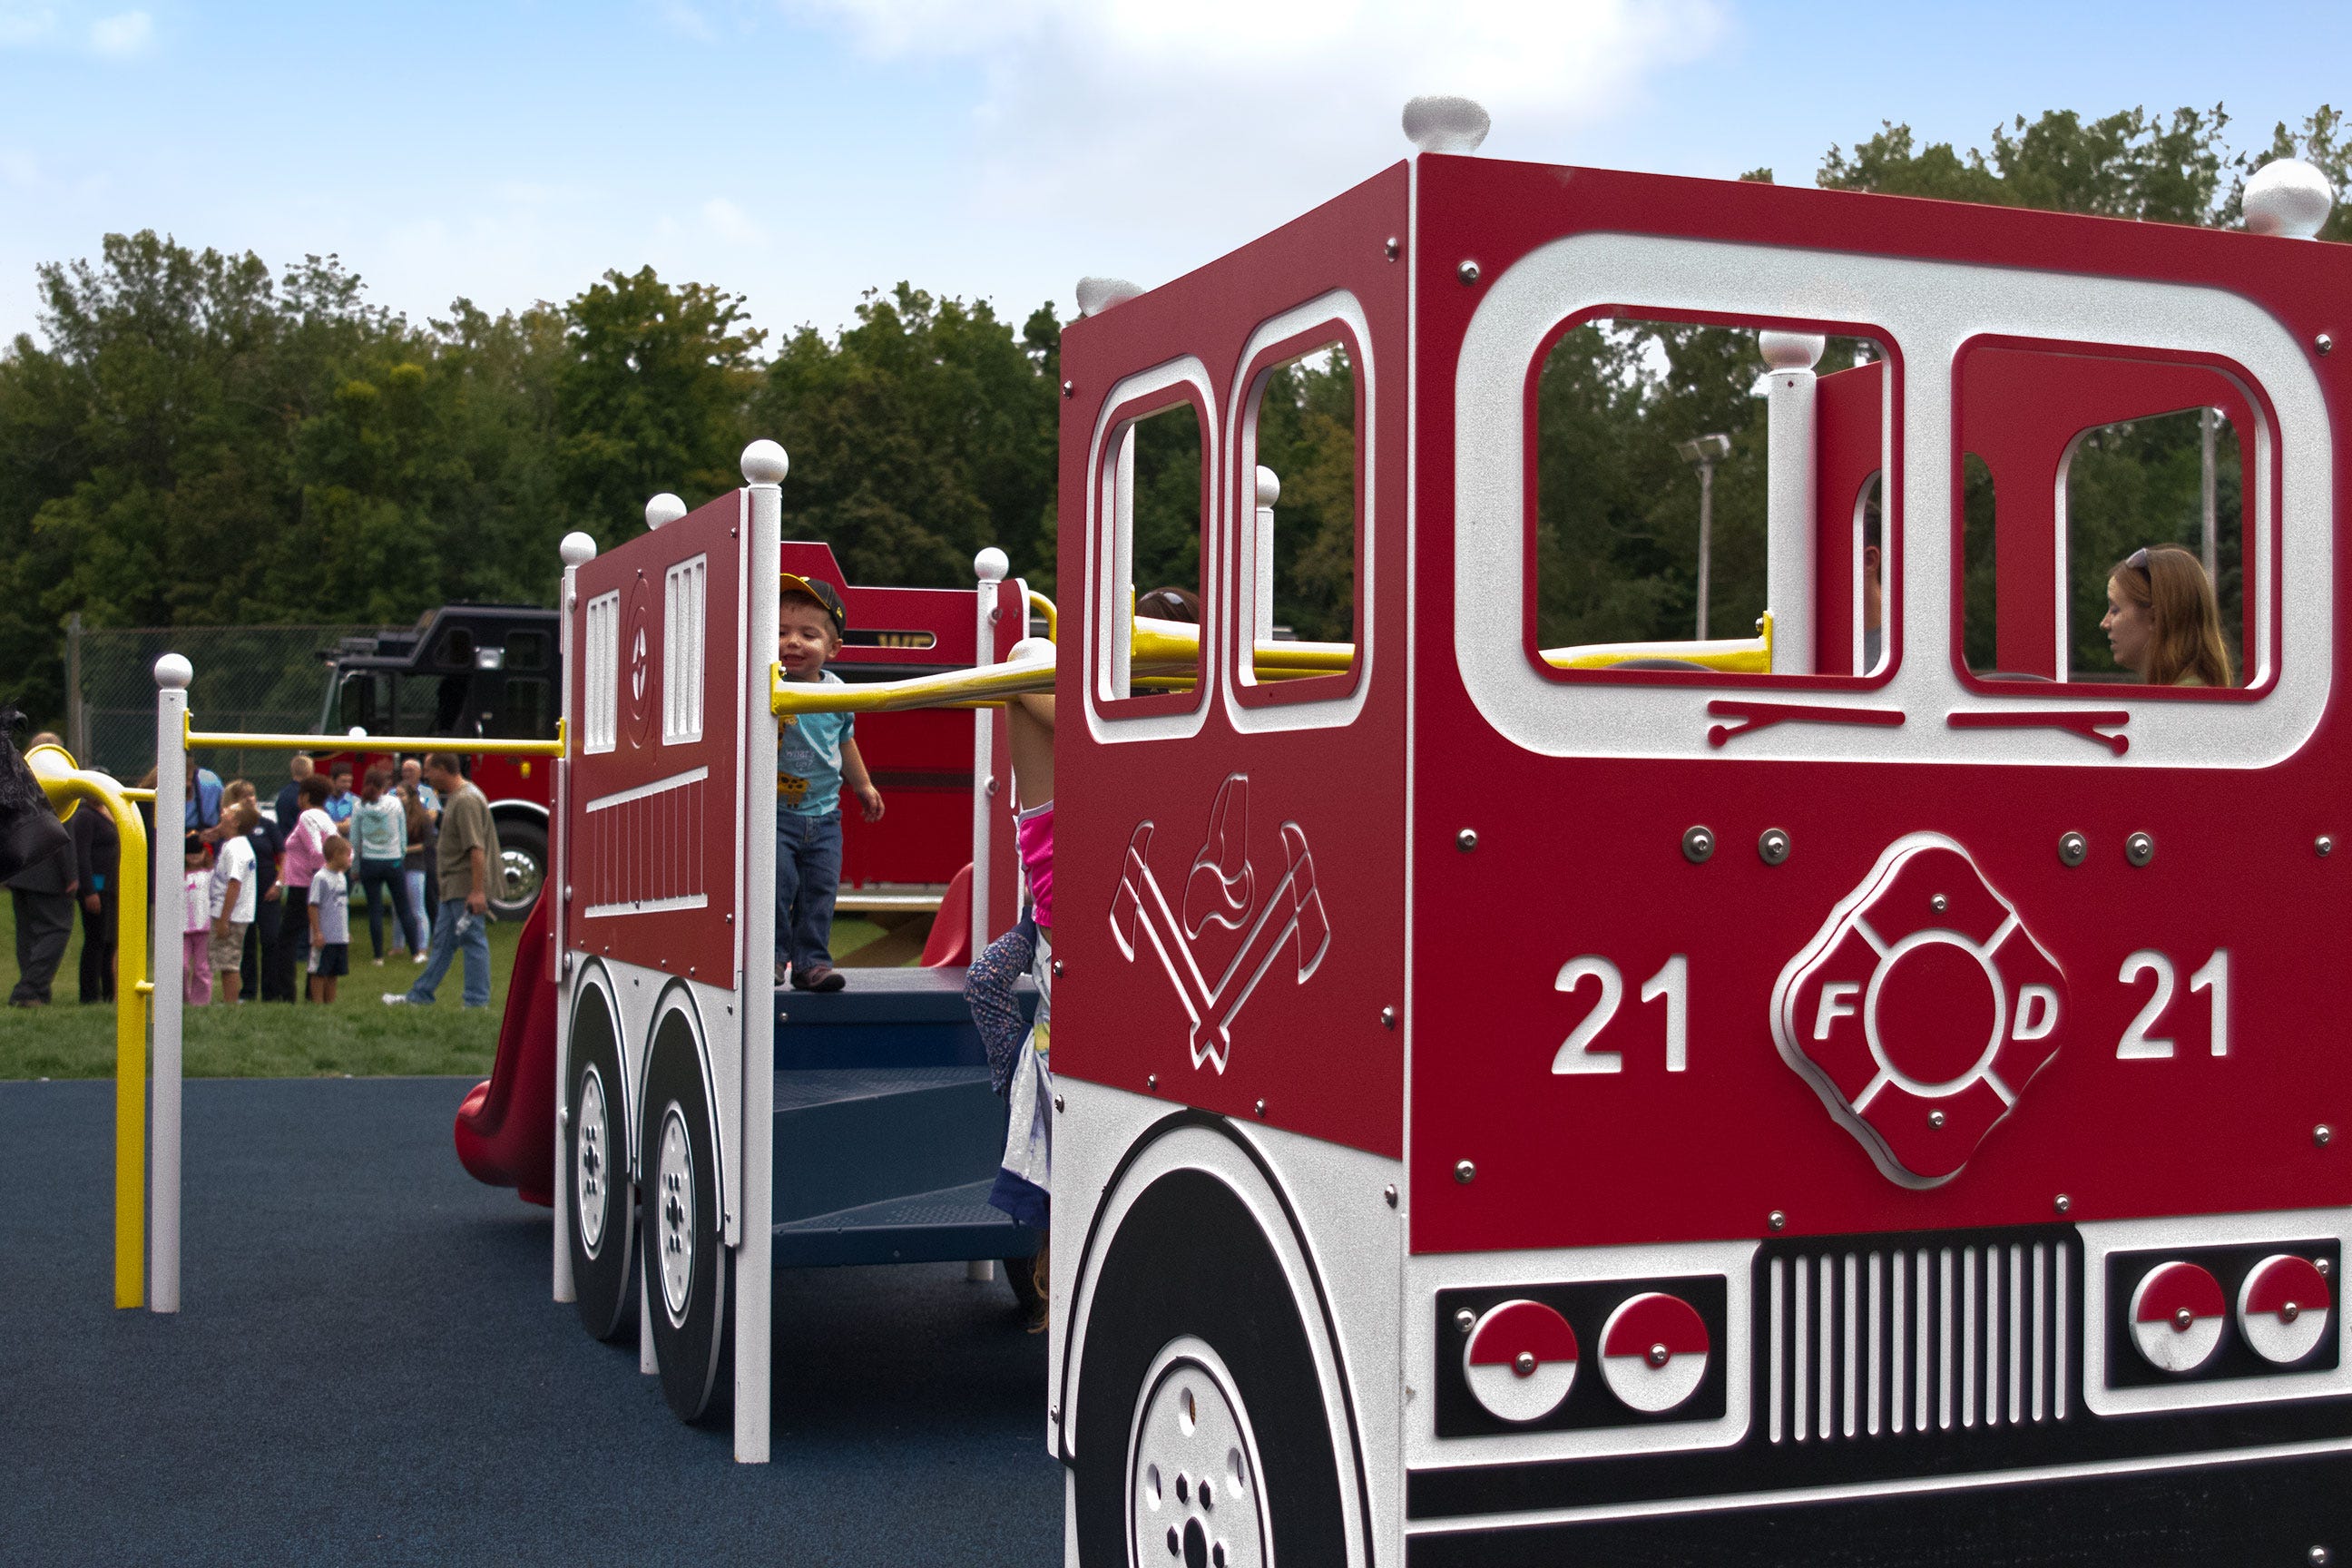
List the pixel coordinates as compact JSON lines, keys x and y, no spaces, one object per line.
{"x":1870,"y":1342}
{"x":686,"y":589}
{"x":600,"y":669}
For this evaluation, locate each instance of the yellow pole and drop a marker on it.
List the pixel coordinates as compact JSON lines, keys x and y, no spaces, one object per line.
{"x":65,"y":783}
{"x":199,"y":739}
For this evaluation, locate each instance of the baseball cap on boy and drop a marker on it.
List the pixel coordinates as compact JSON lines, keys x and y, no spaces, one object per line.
{"x":820,"y":590}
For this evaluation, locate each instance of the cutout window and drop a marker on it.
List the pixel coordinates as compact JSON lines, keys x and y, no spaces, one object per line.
{"x":1155,"y":486}
{"x":1299,"y":522}
{"x":686,"y":589}
{"x":1702,"y":497}
{"x":2073,"y":463}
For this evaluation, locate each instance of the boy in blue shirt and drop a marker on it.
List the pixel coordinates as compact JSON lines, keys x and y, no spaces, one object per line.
{"x":817,"y":754}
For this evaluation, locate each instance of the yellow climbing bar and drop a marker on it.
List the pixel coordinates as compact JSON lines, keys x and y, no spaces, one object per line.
{"x":66,"y":783}
{"x":467,"y":748}
{"x":1738,"y":656}
{"x":988,"y":685}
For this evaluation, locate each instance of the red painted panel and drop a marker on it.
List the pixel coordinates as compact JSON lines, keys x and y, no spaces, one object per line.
{"x":676,"y":839}
{"x":1586,"y":854}
{"x":1285,"y":893}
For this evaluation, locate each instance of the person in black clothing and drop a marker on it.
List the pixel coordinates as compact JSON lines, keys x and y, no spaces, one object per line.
{"x":289,"y":805}
{"x":98,"y":860}
{"x":269,"y":843}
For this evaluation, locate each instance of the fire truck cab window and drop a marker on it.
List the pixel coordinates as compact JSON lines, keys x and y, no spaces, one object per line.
{"x":1155,"y":488}
{"x":526,"y":651}
{"x":456,"y":650}
{"x":366,"y":701}
{"x":2081,"y":467}
{"x":1708,"y":502}
{"x":1299,"y":534}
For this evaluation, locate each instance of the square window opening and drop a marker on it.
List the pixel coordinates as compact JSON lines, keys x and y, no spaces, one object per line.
{"x":2104,"y":522}
{"x":1708,"y":502}
{"x":1301,"y":536}
{"x":1156,"y":499}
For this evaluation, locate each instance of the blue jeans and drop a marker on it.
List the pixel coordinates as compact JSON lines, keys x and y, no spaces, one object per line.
{"x":380,"y":881}
{"x":808,"y":874}
{"x":446,"y":940}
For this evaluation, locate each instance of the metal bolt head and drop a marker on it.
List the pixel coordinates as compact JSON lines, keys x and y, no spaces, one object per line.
{"x":1467,"y":840}
{"x":1939,"y":903}
{"x":1466,"y":1319}
{"x":2289,"y":1311}
{"x":2320,"y":1558}
{"x":1465,"y":1171}
{"x":2140,"y":848}
{"x":1388,"y":1018}
{"x":2324,"y":344}
{"x":1151,"y":1081}
{"x":1524,"y":1364}
{"x":2322,"y":1134}
{"x":1388,"y":1195}
{"x":1698,"y":842}
{"x":1057,"y":969}
{"x":2320,"y":1264}
{"x":1057,"y":1102}
{"x":1392,"y":247}
{"x":1777,"y":1220}
{"x":1772,"y":847}
{"x":1934,"y":1119}
{"x":1261,"y":1108}
{"x":2061,"y":1203}
{"x":1069,"y":389}
{"x":2072,"y":848}
{"x":2323,"y":846}
{"x":1468,"y":273}
{"x":2183,"y":1320}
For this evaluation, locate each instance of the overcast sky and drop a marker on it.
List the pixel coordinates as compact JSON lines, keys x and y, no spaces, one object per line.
{"x":803,"y":151}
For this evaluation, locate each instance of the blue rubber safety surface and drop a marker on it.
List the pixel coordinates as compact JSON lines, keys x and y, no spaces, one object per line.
{"x":368,"y":1369}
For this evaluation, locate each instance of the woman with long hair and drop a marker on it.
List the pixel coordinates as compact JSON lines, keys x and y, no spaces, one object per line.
{"x":2163,"y":622}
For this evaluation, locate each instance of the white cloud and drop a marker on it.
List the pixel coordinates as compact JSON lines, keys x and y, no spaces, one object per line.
{"x":1210,"y":120}
{"x":127,"y":33}
{"x":729,"y":221}
{"x":24,"y":24}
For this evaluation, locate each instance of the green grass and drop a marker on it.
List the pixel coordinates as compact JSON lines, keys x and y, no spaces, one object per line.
{"x":355,"y":1035}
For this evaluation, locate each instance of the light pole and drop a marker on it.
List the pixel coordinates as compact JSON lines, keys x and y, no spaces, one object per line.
{"x":1703,"y":453}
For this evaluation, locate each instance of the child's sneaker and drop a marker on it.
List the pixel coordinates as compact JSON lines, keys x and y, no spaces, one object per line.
{"x":820,"y":977}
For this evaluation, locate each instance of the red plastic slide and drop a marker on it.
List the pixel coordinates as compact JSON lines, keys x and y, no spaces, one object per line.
{"x":506,"y":1128}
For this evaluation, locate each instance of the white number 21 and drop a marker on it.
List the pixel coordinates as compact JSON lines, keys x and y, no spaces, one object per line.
{"x":2138,"y":1044}
{"x":1671,"y":981}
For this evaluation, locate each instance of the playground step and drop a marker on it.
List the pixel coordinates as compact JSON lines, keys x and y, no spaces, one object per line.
{"x":851,"y":1138}
{"x":917,"y":1228}
{"x":886,"y":1018}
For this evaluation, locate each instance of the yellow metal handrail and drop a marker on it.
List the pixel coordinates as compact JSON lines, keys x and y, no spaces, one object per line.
{"x":64,"y":782}
{"x":1053,"y":620}
{"x":987,"y":685}
{"x":474,"y":748}
{"x":1736,"y":656}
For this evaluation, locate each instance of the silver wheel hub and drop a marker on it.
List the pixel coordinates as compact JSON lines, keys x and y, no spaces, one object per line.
{"x":674,"y":1192}
{"x":519,"y":874}
{"x":1194,"y":1494}
{"x":592,"y":1162}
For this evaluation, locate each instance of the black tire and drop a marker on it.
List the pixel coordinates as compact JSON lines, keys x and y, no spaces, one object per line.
{"x":596,"y":1165}
{"x":689,"y":1275}
{"x":522,"y":869}
{"x":1189,"y":1261}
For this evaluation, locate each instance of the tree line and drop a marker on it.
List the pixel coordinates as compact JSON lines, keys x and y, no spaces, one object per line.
{"x":191,"y":439}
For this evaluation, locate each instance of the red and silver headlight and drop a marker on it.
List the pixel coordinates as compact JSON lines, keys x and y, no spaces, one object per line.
{"x":1521,"y":1360}
{"x":2176,"y":1317}
{"x":1654,"y":1350}
{"x":2282,"y":1307}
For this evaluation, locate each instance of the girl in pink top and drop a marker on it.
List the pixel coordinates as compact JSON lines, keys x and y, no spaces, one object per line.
{"x":196,"y":932}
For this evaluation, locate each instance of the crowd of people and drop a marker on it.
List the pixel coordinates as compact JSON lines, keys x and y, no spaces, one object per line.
{"x":267,"y":895}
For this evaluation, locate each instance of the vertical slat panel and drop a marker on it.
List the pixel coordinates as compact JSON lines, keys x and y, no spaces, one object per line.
{"x":1827,"y":1378}
{"x":1801,"y":1407}
{"x":1852,"y":1357}
{"x":1876,"y":1319}
{"x":1900,"y":1336}
{"x":2016,"y":1333}
{"x":1779,"y":1349}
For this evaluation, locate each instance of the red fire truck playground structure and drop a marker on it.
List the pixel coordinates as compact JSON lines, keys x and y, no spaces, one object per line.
{"x":1913,"y":1081}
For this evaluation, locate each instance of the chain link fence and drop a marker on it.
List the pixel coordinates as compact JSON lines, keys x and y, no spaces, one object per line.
{"x":254,"y":679}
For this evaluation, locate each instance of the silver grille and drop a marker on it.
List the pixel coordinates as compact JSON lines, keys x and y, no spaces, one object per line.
{"x":1884,"y":1341}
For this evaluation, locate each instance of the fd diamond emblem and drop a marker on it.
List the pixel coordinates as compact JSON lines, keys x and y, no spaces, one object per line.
{"x":1921,"y":1010}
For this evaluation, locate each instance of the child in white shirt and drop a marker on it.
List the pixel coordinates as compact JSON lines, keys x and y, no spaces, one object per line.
{"x":233,"y":882}
{"x":330,"y":921}
{"x":196,"y":932}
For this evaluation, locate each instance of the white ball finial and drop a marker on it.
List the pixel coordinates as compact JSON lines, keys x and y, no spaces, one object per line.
{"x":1442,"y":124}
{"x":666,"y":508}
{"x":765,"y":463}
{"x":1096,"y":295}
{"x":1269,"y":486}
{"x":1791,"y":351}
{"x":174,"y":672}
{"x":989,"y":565}
{"x":2288,"y":197}
{"x":357,"y":732}
{"x":1030,"y":650}
{"x":577,"y":548}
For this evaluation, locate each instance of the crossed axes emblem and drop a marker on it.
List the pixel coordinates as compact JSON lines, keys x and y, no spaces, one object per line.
{"x":1220,"y":887}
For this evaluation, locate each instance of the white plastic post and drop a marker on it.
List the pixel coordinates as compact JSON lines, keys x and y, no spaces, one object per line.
{"x":990,"y":567}
{"x":765,"y":467}
{"x":1269,"y":490}
{"x":173,"y":674}
{"x":577,"y":551}
{"x":1789,"y":499}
